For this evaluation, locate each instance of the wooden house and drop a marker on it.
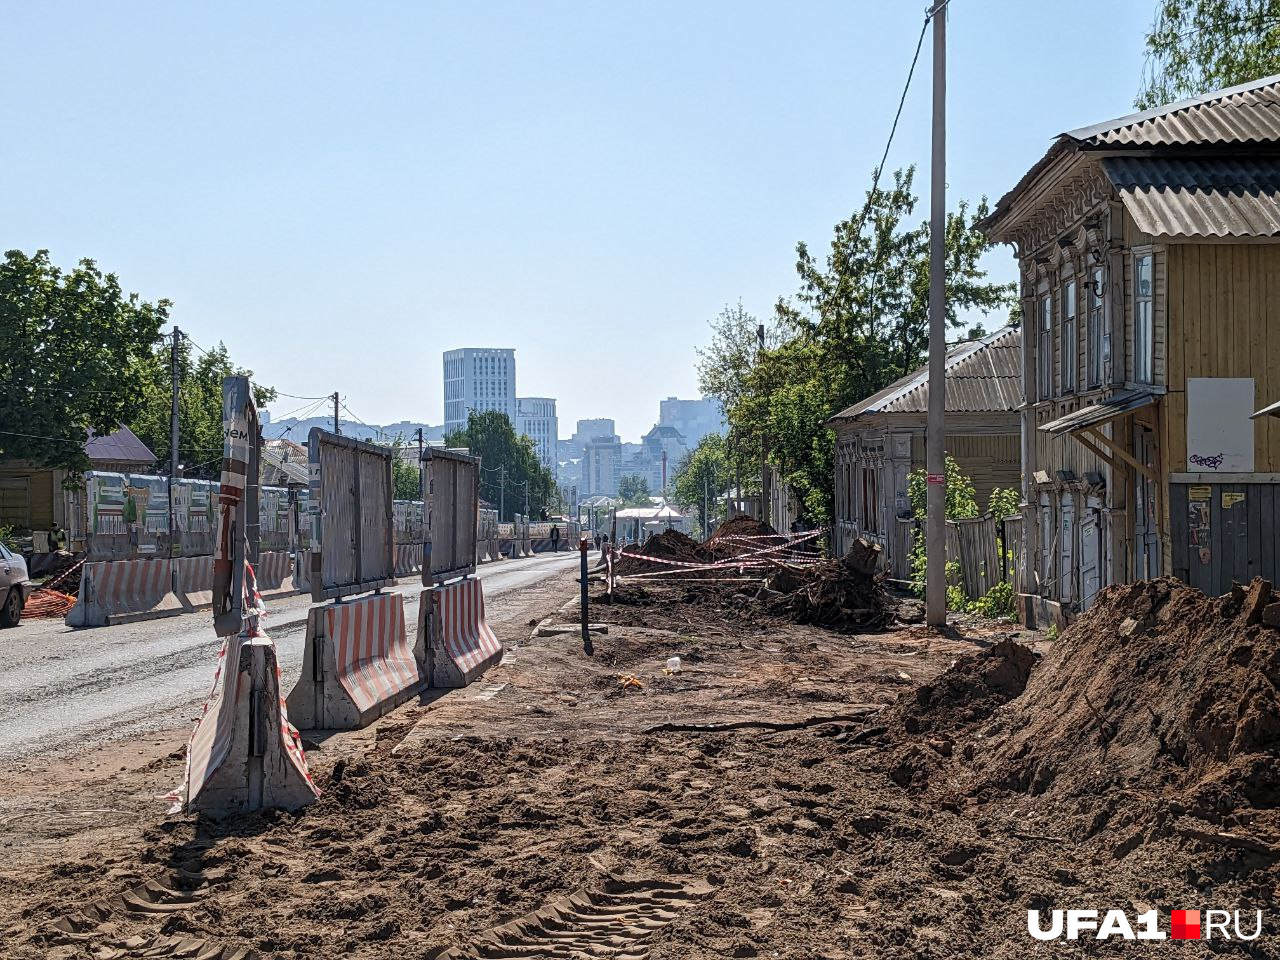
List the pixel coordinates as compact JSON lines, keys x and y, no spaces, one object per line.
{"x":1150,"y":284}
{"x":880,"y":441}
{"x":31,"y":495}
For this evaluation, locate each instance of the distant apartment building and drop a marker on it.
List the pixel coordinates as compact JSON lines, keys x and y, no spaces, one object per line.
{"x":662,"y":439}
{"x":478,"y":379}
{"x":601,"y":466}
{"x":536,"y":419}
{"x":693,"y":418}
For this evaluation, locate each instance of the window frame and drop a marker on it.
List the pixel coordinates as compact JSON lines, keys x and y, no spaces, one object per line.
{"x":1143,"y":347}
{"x":1068,"y":343}
{"x":1044,"y":346}
{"x":1096,"y":339}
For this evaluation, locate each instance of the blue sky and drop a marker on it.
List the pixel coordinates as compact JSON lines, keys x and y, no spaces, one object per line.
{"x":342,"y":191}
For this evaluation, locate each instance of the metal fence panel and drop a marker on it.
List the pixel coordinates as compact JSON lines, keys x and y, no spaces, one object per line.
{"x":352,"y":545}
{"x":977,"y":553}
{"x":453,"y":499}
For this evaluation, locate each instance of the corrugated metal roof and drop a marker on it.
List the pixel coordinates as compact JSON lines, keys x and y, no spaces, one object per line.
{"x":122,"y":446}
{"x":1244,"y":117}
{"x":1248,"y":113}
{"x":1199,"y":197}
{"x":983,"y":376}
{"x":1095,"y":414}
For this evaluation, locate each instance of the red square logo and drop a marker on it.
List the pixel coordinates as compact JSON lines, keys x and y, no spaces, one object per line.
{"x":1186,"y":924}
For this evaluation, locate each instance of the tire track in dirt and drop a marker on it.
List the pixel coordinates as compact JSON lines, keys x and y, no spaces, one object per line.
{"x":614,"y":920}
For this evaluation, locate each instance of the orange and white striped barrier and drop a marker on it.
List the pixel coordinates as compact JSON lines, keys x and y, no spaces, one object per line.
{"x":454,"y":641}
{"x":116,"y":591}
{"x":275,"y":573}
{"x":195,"y":581}
{"x":408,"y":559}
{"x":357,"y":664}
{"x":226,"y":774}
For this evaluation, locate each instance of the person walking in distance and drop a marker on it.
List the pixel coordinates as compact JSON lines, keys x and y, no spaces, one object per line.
{"x":555,"y":538}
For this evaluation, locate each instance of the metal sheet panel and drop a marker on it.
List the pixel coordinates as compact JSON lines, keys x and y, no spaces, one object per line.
{"x":352,"y":539}
{"x":452,"y":505}
{"x":1199,"y":197}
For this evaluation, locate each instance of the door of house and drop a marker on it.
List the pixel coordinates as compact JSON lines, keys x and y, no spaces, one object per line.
{"x":1090,"y":552}
{"x":1146,"y":526}
{"x":1066,"y":547}
{"x":1048,"y":546}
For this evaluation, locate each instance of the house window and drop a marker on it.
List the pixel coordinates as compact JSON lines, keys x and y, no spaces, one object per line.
{"x":1068,"y":343}
{"x":1094,"y":336}
{"x":870,"y":500}
{"x":1143,"y":290}
{"x":1044,"y":349}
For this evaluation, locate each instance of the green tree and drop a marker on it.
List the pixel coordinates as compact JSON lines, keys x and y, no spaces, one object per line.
{"x":633,"y":490}
{"x":701,"y":478}
{"x":406,"y":477}
{"x":859,"y":321}
{"x":75,"y":354}
{"x":508,"y":464}
{"x":1195,"y":46}
{"x":200,"y":376}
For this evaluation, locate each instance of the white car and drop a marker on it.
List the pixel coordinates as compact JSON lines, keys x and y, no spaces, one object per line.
{"x":15,"y":587}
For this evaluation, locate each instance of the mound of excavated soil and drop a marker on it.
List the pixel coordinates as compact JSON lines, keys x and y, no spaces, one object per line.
{"x":743,"y":526}
{"x":667,"y":545}
{"x":967,"y":693}
{"x":1157,"y":686}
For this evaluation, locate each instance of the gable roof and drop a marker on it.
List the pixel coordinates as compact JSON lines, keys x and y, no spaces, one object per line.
{"x":120,"y":446}
{"x":982,"y":376}
{"x":1221,"y":130}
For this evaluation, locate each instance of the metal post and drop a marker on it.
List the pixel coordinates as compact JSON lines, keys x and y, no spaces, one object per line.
{"x":337,"y":427}
{"x":935,"y":457}
{"x":706,"y":508}
{"x":422,"y":473}
{"x":502,"y":491}
{"x":582,"y":580}
{"x":174,"y":465}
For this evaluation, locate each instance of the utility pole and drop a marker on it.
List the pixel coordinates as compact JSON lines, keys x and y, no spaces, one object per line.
{"x":175,"y":465}
{"x":502,"y":491}
{"x":935,"y":456}
{"x":337,"y":427}
{"x":422,"y":471}
{"x":706,"y":508}
{"x":765,"y":495}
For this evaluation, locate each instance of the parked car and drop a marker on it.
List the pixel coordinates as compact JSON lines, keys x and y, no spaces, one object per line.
{"x":15,"y":587}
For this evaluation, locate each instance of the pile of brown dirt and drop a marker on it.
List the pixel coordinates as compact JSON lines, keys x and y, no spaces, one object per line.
{"x":967,"y":693}
{"x":843,"y":594}
{"x":1157,"y":687}
{"x":754,"y":534}
{"x":667,"y":545}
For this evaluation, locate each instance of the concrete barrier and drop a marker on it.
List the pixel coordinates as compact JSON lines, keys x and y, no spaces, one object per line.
{"x":357,"y":664}
{"x":275,"y":574}
{"x":408,"y":559}
{"x":195,"y":582}
{"x":243,"y":753}
{"x":454,"y":641}
{"x":118,"y":591}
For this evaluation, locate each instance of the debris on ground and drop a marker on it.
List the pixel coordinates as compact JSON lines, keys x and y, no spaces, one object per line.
{"x":45,"y":603}
{"x":842,"y":594}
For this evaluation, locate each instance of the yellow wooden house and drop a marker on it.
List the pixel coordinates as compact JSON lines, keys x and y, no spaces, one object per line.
{"x":1150,"y":284}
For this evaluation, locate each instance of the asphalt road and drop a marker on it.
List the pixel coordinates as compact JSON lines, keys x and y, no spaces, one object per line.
{"x":62,"y":688}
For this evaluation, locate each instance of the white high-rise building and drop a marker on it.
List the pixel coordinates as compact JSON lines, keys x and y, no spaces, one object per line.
{"x":536,"y":419}
{"x":478,"y":379}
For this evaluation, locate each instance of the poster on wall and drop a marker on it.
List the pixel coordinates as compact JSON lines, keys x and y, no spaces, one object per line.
{"x":1199,"y":523}
{"x":1219,"y":431}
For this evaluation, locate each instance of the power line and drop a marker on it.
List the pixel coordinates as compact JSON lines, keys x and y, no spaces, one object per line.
{"x":875,"y":178}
